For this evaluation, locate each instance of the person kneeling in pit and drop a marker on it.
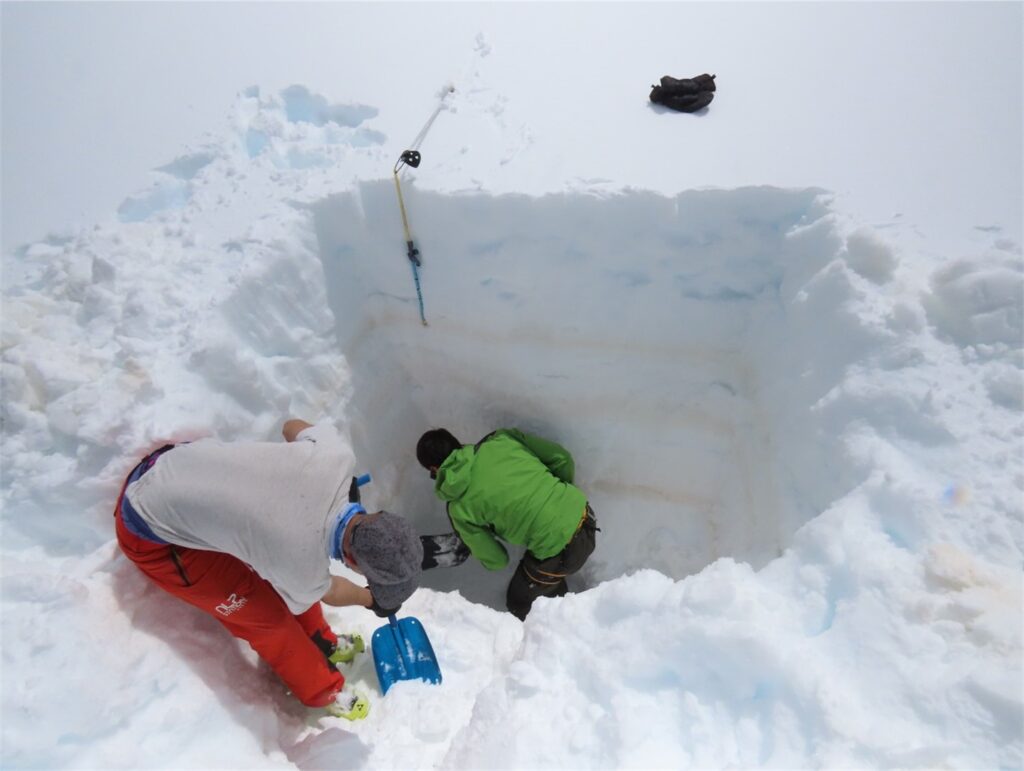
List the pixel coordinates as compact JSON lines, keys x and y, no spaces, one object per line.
{"x":245,"y":532}
{"x":514,"y":487}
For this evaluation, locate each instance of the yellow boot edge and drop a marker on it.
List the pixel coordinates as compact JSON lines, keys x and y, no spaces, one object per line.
{"x":345,"y":655}
{"x":356,"y":709}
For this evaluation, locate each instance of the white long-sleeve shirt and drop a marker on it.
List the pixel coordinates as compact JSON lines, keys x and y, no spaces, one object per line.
{"x":270,"y":504}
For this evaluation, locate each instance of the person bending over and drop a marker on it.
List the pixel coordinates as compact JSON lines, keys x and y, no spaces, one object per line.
{"x":517,"y":488}
{"x":245,"y":532}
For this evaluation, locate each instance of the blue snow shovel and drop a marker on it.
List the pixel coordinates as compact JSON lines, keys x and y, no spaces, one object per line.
{"x":402,"y":651}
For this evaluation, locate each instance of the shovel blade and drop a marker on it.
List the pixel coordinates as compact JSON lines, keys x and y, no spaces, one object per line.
{"x":402,"y":651}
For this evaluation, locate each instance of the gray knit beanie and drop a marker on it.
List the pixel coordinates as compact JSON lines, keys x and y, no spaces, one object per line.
{"x":390,"y":556}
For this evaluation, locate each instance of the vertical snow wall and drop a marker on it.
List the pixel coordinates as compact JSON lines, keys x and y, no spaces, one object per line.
{"x":669,"y":343}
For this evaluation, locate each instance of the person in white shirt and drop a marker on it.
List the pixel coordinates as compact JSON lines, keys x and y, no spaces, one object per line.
{"x":245,"y":531}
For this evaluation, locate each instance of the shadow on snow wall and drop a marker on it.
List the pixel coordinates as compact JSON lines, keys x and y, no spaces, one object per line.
{"x":657,"y":338}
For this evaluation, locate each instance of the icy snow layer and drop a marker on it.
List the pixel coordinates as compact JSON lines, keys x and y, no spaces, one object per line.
{"x":810,"y":432}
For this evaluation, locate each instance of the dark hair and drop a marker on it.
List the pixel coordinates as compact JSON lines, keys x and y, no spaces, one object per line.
{"x":435,"y":446}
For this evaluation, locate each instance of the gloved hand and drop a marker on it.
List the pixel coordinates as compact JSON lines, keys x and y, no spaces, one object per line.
{"x":384,"y":612}
{"x":443,"y":551}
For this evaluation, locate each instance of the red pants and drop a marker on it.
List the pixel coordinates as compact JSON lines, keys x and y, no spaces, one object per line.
{"x":248,"y":607}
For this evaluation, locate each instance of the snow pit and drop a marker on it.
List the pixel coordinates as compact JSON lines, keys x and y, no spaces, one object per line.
{"x":670,"y":343}
{"x":811,"y":432}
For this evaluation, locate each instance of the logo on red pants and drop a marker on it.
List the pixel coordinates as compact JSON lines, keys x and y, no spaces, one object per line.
{"x":231,"y":604}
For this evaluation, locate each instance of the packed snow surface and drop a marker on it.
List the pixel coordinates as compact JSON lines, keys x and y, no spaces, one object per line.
{"x":801,"y":433}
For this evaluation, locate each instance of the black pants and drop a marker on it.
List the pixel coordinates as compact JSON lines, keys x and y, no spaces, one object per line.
{"x":546,"y":578}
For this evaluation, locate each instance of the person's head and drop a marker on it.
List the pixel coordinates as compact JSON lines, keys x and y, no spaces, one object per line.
{"x":389,"y":554}
{"x":434,"y":447}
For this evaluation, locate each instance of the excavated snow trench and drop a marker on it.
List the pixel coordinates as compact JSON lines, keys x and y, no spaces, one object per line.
{"x":669,"y":343}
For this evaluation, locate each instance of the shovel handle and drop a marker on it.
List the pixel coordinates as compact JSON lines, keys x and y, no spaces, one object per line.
{"x":401,"y":643}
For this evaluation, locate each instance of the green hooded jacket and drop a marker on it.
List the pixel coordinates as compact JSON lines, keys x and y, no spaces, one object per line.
{"x":515,"y":487}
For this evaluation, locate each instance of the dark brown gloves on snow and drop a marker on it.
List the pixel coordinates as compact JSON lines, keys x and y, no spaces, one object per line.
{"x":686,"y":94}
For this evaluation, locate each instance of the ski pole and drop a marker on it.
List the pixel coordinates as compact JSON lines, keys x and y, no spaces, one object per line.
{"x":353,"y":489}
{"x":410,"y":158}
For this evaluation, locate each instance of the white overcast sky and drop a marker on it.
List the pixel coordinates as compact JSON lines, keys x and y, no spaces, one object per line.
{"x":909,"y":109}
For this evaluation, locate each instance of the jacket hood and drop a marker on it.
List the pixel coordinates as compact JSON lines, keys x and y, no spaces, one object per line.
{"x":454,"y":474}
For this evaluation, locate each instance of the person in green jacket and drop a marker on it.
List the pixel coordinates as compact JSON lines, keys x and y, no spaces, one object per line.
{"x":514,"y":487}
